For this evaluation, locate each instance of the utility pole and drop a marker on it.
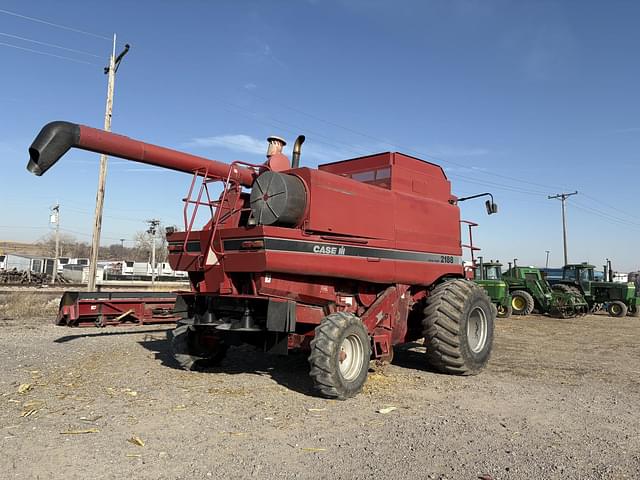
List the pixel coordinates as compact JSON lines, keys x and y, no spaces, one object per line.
{"x":546,"y":265}
{"x":153,"y":229}
{"x":55,"y":218}
{"x":563,"y":198}
{"x":114,"y":63}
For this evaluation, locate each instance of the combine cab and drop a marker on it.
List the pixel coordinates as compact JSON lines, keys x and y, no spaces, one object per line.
{"x":343,"y":261}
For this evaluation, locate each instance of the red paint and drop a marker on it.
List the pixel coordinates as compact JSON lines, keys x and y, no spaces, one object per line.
{"x":115,"y":145}
{"x":86,"y":312}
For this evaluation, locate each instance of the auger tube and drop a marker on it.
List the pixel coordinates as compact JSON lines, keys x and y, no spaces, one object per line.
{"x":56,"y":138}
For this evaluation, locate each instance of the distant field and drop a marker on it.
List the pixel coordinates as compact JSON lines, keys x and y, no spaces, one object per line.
{"x":19,"y":247}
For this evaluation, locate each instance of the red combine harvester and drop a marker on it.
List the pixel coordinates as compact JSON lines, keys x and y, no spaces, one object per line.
{"x":344,"y":261}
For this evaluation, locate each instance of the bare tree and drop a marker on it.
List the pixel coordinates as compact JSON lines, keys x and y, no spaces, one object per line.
{"x":68,"y":245}
{"x":143,"y":244}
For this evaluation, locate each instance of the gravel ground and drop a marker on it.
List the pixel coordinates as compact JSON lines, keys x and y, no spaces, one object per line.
{"x":559,"y":400}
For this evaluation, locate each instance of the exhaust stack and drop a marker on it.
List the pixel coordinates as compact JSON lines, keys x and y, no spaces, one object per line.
{"x":297,"y":147}
{"x":56,"y":138}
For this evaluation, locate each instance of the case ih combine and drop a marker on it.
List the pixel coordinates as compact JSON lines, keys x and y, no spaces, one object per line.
{"x":344,"y":261}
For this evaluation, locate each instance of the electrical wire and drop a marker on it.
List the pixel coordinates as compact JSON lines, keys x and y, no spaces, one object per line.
{"x":463,"y":178}
{"x":53,"y":45}
{"x":49,"y":54}
{"x":395,"y":144}
{"x":605,"y":215}
{"x":57,"y":25}
{"x":600,"y":202}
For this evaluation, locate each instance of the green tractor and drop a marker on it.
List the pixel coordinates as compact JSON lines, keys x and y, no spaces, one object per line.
{"x":530,"y":291}
{"x":619,"y":299}
{"x":489,"y":276}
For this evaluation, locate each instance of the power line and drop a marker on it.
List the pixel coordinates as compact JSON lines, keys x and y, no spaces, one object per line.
{"x":48,"y":44}
{"x":57,"y":25}
{"x":394,"y":144}
{"x":39,"y":52}
{"x":252,"y":115}
{"x":606,"y":216}
{"x":600,"y":202}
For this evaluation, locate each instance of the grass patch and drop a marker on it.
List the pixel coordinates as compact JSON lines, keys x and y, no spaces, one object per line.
{"x":27,"y":305}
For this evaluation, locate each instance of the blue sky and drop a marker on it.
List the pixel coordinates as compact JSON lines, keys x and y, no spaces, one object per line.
{"x":523,"y":99}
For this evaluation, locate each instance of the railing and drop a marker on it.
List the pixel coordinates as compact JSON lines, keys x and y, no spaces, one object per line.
{"x":215,"y":206}
{"x":470,"y":245}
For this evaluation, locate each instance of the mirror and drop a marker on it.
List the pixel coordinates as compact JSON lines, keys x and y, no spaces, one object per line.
{"x":491,"y":207}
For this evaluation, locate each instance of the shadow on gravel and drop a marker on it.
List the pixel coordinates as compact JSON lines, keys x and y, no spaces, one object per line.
{"x":411,"y":356}
{"x":68,"y":338}
{"x":290,"y":371}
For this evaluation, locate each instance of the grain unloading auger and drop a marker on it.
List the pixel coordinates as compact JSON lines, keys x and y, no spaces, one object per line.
{"x":343,"y":261}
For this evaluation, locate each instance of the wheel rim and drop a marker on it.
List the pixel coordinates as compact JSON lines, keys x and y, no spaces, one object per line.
{"x":615,"y":309}
{"x":501,"y":309}
{"x":351,"y":357}
{"x":518,"y":303}
{"x":477,"y":330}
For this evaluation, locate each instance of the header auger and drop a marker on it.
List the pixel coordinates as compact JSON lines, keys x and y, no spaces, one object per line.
{"x":343,"y":261}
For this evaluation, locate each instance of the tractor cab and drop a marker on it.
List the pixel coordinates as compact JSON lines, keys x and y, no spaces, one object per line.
{"x":580,"y":274}
{"x":488,"y":271}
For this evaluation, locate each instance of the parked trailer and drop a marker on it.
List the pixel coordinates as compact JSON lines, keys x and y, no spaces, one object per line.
{"x":101,"y":309}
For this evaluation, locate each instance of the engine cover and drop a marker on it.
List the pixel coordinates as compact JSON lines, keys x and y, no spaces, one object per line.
{"x":278,"y":199}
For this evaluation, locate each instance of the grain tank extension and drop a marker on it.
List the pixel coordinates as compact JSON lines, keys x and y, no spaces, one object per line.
{"x":343,"y":261}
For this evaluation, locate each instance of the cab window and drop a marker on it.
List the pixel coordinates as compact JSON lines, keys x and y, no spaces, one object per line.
{"x":380,"y":177}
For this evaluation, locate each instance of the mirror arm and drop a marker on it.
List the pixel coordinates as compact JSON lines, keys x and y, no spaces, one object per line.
{"x":475,"y":196}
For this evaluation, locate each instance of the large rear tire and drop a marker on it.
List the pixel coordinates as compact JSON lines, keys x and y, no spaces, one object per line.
{"x":458,"y":327}
{"x":340,"y":355}
{"x":193,"y":349}
{"x":522,"y":302}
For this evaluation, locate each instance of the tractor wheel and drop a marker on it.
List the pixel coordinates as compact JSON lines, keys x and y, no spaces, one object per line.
{"x":633,"y":311}
{"x":458,"y":327}
{"x":340,"y":355}
{"x":617,"y":309}
{"x":522,"y":302}
{"x":505,"y":311}
{"x":193,"y":349}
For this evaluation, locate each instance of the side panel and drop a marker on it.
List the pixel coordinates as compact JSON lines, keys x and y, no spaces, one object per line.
{"x":339,"y":205}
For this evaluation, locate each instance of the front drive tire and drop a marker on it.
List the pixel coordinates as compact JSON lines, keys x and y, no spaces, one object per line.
{"x":617,"y":309}
{"x":505,"y":311}
{"x":193,"y":349}
{"x":458,"y":327}
{"x":340,"y":355}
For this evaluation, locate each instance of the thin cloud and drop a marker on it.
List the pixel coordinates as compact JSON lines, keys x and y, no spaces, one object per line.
{"x":238,"y":143}
{"x":313,"y":151}
{"x":262,"y":53}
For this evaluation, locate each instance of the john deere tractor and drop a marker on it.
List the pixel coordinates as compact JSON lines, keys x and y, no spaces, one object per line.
{"x":489,"y":276}
{"x":619,"y":299}
{"x":530,"y":291}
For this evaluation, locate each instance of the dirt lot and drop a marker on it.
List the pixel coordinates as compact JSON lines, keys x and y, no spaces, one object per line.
{"x":560,"y":399}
